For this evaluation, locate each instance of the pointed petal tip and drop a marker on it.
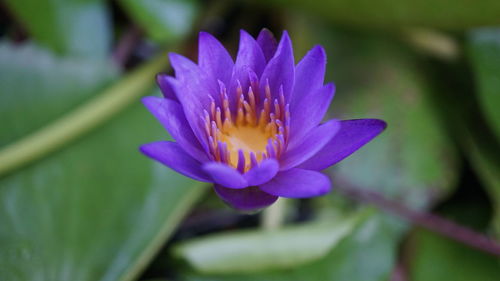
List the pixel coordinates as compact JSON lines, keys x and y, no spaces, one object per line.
{"x":331,"y":86}
{"x":319,"y":50}
{"x":176,"y":60}
{"x":172,"y":155}
{"x":147,"y":99}
{"x":280,"y":70}
{"x":150,"y":102}
{"x":285,"y":39}
{"x":266,"y":32}
{"x":204,"y":34}
{"x":173,"y":56}
{"x":353,"y":135}
{"x":142,"y":148}
{"x":374,"y":122}
{"x":244,"y":33}
{"x":167,"y":86}
{"x":148,"y":149}
{"x":160,"y":78}
{"x":267,"y":42}
{"x":206,"y":37}
{"x":382,"y":123}
{"x":318,"y":54}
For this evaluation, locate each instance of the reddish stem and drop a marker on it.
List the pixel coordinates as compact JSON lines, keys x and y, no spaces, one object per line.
{"x":429,"y":221}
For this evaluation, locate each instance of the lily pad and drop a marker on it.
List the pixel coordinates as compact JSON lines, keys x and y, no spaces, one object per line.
{"x":259,"y":250}
{"x":95,"y":210}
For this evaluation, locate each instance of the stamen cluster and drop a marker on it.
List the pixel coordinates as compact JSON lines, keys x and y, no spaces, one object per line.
{"x":268,"y":119}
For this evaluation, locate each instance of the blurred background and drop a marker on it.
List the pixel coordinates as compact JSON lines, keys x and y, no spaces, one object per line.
{"x":79,"y":202}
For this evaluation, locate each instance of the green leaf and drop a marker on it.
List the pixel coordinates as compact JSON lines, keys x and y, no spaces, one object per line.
{"x":480,"y":145}
{"x":163,"y":20}
{"x":434,"y":257}
{"x":396,"y":14}
{"x":484,"y":51}
{"x":414,"y":159}
{"x":69,"y":27}
{"x":258,"y":250}
{"x":376,"y":76}
{"x":96,"y":210}
{"x":43,"y":86}
{"x":367,"y":253}
{"x":485,"y":158}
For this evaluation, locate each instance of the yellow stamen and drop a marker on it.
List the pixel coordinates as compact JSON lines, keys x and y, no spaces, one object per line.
{"x":277,"y":111}
{"x":218,"y":118}
{"x":248,"y":139}
{"x":243,"y":135}
{"x":240,"y":118}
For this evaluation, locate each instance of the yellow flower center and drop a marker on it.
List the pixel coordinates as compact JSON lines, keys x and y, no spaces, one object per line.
{"x":249,"y":133}
{"x":247,"y":138}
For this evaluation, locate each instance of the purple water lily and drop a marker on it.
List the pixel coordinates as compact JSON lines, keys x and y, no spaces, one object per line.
{"x":252,"y":126}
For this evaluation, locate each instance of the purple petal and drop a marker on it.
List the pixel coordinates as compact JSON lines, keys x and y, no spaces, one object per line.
{"x":310,"y":112}
{"x":280,"y":71}
{"x":248,"y":199}
{"x":267,"y":43}
{"x":173,"y":156}
{"x":193,"y":88}
{"x":171,"y":116}
{"x":298,"y":183}
{"x":309,"y":76}
{"x":165,"y":87}
{"x":214,"y":59}
{"x":224,"y":175}
{"x":193,"y":78}
{"x":190,"y":83}
{"x":353,"y":134}
{"x":263,"y":173}
{"x":310,"y":145}
{"x":250,"y":57}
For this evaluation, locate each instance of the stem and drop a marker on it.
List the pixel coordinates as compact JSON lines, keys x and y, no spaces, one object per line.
{"x":274,"y":216}
{"x":126,"y":45}
{"x":399,"y":273}
{"x":81,"y":120}
{"x":431,"y":222}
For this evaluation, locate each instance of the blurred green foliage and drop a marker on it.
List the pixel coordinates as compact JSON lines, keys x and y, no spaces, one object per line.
{"x":456,"y":261}
{"x":163,"y":20}
{"x":96,"y":209}
{"x":448,"y":14}
{"x":70,"y":27}
{"x":483,"y":46}
{"x":56,"y":85}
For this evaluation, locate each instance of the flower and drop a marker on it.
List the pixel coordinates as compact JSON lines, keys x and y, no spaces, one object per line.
{"x":252,"y":126}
